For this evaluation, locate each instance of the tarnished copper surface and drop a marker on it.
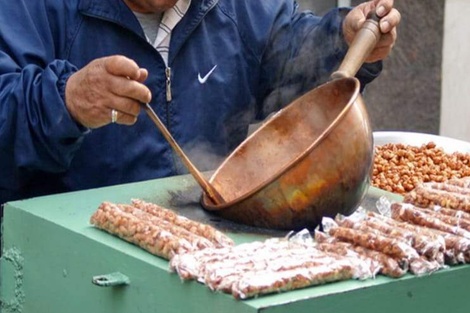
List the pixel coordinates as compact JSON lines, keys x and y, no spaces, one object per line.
{"x":311,"y":159}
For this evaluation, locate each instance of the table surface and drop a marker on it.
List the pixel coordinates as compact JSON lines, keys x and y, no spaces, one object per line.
{"x":51,"y":253}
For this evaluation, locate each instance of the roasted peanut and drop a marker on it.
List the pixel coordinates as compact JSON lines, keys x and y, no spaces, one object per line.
{"x":400,"y":168}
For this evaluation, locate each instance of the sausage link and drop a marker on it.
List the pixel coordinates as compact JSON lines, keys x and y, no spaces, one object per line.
{"x":427,"y":197}
{"x":198,"y":242}
{"x":203,"y":230}
{"x":265,"y":282}
{"x":408,"y":213}
{"x":389,"y":246}
{"x":153,"y":238}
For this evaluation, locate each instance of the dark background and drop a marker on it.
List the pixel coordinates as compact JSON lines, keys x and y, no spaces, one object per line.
{"x":407,"y":95}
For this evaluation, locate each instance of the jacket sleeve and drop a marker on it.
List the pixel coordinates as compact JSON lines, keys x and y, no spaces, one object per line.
{"x":304,"y":50}
{"x":36,"y":131}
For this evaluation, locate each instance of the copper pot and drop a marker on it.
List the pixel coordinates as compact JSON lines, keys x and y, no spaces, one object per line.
{"x":312,"y":159}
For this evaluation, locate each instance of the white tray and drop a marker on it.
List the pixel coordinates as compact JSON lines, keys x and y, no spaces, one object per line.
{"x":448,"y":144}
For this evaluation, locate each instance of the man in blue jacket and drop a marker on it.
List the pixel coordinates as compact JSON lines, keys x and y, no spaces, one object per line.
{"x":74,"y":73}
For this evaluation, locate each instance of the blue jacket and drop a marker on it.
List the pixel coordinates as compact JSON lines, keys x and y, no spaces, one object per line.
{"x":267,"y":53}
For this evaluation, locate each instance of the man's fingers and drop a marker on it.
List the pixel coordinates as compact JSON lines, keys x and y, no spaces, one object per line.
{"x":390,"y":21}
{"x":125,"y":105}
{"x":122,"y":118}
{"x":127,"y":88}
{"x":382,"y":7}
{"x":387,"y":40}
{"x":119,"y":65}
{"x":143,"y":74}
{"x":104,"y":85}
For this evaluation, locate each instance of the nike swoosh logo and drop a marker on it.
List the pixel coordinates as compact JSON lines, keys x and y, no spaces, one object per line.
{"x":202,"y":80}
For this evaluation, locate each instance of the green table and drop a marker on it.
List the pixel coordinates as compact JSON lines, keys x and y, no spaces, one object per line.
{"x":51,"y":254}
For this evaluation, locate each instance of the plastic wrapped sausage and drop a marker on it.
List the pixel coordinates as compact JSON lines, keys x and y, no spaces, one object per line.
{"x":423,"y":196}
{"x":203,"y":230}
{"x":224,"y":277}
{"x":193,"y":265}
{"x":460,"y":222}
{"x":265,"y":282}
{"x":446,"y":186}
{"x":451,"y":212}
{"x":273,"y":265}
{"x":463,"y":182}
{"x":198,"y":242}
{"x":456,"y":247}
{"x":155,"y":233}
{"x":156,"y":240}
{"x":408,"y":213}
{"x":383,"y":263}
{"x":389,"y":246}
{"x":431,"y":246}
{"x":378,"y":227}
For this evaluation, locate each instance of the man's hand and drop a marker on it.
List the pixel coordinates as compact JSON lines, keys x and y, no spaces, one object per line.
{"x":107,"y":84}
{"x":389,"y":20}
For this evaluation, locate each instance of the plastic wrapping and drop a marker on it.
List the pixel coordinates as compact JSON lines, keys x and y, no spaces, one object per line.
{"x":154,"y":239}
{"x":461,"y":182}
{"x":198,"y":242}
{"x":155,"y":233}
{"x":269,"y":282}
{"x":446,"y":186}
{"x":377,"y":242}
{"x":377,"y":227}
{"x":203,"y":230}
{"x":425,"y":196}
{"x":455,"y":247}
{"x":408,"y":213}
{"x":380,"y":262}
{"x":274,"y":265}
{"x":427,"y":244}
{"x":451,"y":212}
{"x":458,"y":220}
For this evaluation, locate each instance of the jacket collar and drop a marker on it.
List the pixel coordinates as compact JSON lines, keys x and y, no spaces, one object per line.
{"x":185,"y":27}
{"x":118,"y":12}
{"x":115,"y":11}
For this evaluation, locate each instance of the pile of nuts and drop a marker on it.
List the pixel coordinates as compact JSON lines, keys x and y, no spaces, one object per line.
{"x":399,"y":168}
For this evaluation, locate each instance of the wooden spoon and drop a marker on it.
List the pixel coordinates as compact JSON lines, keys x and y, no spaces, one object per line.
{"x":212,"y":193}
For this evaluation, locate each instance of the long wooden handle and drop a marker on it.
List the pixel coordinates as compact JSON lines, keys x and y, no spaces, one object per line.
{"x":364,"y":42}
{"x":205,"y":185}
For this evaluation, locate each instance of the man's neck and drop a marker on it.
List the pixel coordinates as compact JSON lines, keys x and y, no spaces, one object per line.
{"x":147,"y":7}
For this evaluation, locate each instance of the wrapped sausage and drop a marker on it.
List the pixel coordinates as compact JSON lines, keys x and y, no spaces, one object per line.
{"x":446,"y":186}
{"x":193,"y":265}
{"x":449,"y":219}
{"x":451,"y":212}
{"x":463,"y":182}
{"x":265,"y":282}
{"x":153,"y":238}
{"x":388,"y":265}
{"x":431,"y":247}
{"x":200,"y":229}
{"x":242,"y":270}
{"x":381,"y":263}
{"x":389,"y":246}
{"x":408,"y":213}
{"x":427,"y":197}
{"x":164,"y":234}
{"x":455,"y":247}
{"x":197,"y":241}
{"x":224,"y":277}
{"x":377,"y":227}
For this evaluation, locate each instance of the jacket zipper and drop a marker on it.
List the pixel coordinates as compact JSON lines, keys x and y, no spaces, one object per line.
{"x":168,"y":83}
{"x":168,"y":100}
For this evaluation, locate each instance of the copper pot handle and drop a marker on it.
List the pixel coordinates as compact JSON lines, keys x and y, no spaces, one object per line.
{"x":364,"y":42}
